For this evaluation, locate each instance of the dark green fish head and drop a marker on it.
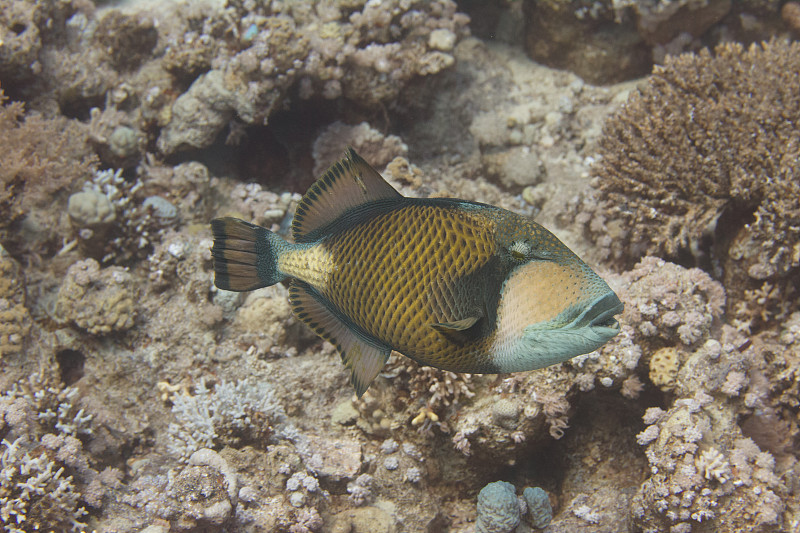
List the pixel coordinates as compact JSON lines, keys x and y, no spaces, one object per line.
{"x":552,"y":306}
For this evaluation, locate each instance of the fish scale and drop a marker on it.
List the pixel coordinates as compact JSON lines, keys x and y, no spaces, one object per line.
{"x":399,"y":292}
{"x":458,"y":285}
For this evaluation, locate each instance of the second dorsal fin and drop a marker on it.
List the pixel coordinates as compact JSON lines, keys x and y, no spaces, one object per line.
{"x":348,"y":183}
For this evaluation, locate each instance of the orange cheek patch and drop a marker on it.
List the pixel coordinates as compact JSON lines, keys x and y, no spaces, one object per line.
{"x":538,"y":292}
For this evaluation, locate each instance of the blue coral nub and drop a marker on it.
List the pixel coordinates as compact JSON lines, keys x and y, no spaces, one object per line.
{"x":498,"y":508}
{"x":541,"y":513}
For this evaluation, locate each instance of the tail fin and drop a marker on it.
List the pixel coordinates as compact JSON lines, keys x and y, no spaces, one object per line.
{"x":245,"y":255}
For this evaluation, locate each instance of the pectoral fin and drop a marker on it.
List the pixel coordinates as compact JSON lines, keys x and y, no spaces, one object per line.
{"x":459,"y":325}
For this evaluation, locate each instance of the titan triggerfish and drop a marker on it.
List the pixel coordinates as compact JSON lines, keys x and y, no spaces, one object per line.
{"x":457,"y":285}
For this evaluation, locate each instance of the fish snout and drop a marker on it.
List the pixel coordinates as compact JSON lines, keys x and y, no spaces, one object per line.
{"x":549,"y":313}
{"x":600,"y":312}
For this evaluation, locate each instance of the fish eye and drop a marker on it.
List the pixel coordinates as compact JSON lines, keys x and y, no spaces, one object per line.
{"x":519,"y":250}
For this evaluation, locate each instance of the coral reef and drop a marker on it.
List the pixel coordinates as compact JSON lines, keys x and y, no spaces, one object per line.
{"x":47,"y":477}
{"x":363,"y":138}
{"x":367,"y":56}
{"x":136,"y":396}
{"x":229,"y":414}
{"x":42,"y":158}
{"x":586,"y":38}
{"x":714,"y":177}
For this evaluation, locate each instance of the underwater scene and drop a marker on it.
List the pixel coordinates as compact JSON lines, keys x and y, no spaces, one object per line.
{"x":399,"y":266}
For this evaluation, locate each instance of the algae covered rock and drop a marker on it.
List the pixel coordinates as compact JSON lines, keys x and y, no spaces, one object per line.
{"x":97,"y":300}
{"x":14,"y":316}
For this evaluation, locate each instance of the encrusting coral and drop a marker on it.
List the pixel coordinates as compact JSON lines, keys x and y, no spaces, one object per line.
{"x":97,"y":300}
{"x":15,"y":322}
{"x":366,"y":55}
{"x":702,"y":164}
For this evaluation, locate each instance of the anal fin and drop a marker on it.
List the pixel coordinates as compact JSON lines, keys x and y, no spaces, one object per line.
{"x":364,"y":359}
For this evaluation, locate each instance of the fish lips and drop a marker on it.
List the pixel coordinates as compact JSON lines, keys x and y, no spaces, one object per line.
{"x":599,"y":315}
{"x":551,"y":342}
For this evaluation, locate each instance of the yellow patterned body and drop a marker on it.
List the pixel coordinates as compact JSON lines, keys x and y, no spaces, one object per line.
{"x":401,"y":268}
{"x":397,"y":273}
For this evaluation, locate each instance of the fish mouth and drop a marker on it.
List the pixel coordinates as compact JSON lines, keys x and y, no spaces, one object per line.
{"x":600,"y":313}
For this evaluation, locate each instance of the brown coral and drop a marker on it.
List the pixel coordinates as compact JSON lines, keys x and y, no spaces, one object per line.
{"x":40,"y":158}
{"x":14,"y":316}
{"x":99,"y":301}
{"x":790,"y":13}
{"x":703,"y":165}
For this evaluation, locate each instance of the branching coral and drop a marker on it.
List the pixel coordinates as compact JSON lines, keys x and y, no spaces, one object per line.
{"x":46,"y":477}
{"x":704,"y":163}
{"x":422,"y":397}
{"x":230,"y":413}
{"x":41,"y":158}
{"x":35,"y":493}
{"x":114,"y":219}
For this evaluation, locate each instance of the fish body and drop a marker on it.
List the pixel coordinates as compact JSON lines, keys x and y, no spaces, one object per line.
{"x":457,"y":285}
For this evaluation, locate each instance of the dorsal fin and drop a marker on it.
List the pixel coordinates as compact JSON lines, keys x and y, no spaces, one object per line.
{"x":348,"y":183}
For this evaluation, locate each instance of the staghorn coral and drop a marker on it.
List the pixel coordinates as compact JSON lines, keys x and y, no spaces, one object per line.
{"x":97,"y":300}
{"x":703,"y":164}
{"x":35,"y":493}
{"x":47,"y":477}
{"x":36,"y":406}
{"x":235,"y":414}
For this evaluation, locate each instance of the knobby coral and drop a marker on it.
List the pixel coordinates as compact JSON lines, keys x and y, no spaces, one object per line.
{"x":703,"y":165}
